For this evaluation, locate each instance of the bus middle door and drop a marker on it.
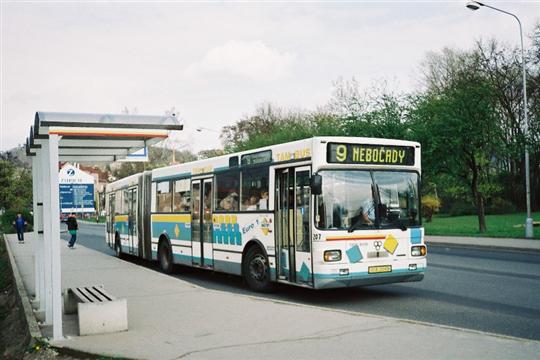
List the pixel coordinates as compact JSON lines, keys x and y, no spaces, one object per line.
{"x":201,"y":223}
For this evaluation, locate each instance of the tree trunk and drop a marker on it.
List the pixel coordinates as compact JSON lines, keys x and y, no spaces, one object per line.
{"x":478,"y":198}
{"x":481,"y":212}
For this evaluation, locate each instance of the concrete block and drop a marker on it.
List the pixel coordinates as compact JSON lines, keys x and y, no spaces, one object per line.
{"x":70,"y":303}
{"x":104,"y":317}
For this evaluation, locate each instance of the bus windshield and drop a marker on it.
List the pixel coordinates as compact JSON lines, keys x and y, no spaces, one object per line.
{"x":361,"y":199}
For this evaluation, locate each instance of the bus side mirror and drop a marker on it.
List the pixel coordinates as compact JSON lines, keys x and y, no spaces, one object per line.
{"x":316,"y":184}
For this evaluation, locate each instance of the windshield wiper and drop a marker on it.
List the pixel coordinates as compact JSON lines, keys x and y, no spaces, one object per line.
{"x":356,"y":224}
{"x":399,"y":224}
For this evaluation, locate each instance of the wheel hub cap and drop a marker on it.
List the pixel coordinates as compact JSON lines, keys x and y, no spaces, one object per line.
{"x":257,"y":267}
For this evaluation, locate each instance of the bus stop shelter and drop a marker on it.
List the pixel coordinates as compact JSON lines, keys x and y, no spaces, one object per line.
{"x":74,"y":137}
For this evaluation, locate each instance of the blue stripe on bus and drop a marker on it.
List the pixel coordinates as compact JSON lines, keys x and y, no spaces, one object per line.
{"x":169,"y":228}
{"x":416,"y":236}
{"x":121,"y":227}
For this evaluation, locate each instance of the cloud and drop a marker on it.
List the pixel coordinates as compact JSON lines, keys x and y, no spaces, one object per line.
{"x":250,"y":59}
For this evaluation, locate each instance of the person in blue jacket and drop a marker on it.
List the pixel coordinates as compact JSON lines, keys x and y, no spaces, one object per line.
{"x":19,"y":224}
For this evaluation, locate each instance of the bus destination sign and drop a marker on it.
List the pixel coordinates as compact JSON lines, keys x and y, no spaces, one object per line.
{"x":370,"y":154}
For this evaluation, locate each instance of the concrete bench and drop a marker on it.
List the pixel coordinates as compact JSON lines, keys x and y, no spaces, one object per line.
{"x":99,"y":312}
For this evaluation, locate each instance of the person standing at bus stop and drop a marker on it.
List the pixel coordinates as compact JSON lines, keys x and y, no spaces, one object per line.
{"x":19,"y":224}
{"x":72,"y":229}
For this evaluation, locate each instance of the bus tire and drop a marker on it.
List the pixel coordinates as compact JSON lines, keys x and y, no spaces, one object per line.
{"x":118,"y":247}
{"x":256,"y":270}
{"x":165,"y":258}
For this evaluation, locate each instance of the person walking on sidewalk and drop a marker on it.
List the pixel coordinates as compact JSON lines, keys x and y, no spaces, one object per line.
{"x":19,"y":224}
{"x":72,"y":229}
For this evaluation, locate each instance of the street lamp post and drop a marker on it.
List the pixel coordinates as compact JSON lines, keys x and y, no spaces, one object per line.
{"x":475,"y":5}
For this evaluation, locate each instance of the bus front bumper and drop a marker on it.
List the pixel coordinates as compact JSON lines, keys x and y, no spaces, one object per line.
{"x":328,"y":281}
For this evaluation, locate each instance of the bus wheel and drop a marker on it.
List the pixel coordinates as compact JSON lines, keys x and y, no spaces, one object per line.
{"x":165,"y":257}
{"x":256,"y":270}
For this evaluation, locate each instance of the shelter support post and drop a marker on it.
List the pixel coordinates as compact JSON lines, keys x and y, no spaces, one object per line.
{"x":40,"y":242}
{"x":38,"y":230}
{"x":47,"y":231}
{"x":55,"y":238}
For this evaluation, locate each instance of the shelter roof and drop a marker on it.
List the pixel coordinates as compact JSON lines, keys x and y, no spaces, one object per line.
{"x":99,"y":137}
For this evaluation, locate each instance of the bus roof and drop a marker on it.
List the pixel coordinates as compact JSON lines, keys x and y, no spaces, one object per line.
{"x":291,"y":151}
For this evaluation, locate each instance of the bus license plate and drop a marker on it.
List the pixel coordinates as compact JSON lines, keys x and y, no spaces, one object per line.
{"x":379,"y":269}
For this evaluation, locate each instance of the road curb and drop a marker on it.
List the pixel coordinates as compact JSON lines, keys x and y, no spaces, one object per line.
{"x":33,"y":328}
{"x":477,"y":246}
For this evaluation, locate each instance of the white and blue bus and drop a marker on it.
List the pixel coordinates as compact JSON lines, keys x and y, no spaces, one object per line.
{"x":323,"y":212}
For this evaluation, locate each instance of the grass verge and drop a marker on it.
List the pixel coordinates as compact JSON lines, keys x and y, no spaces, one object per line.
{"x":504,"y":226}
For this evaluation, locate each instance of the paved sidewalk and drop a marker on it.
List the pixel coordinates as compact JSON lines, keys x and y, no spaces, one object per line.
{"x":494,"y":243}
{"x":173,"y":319}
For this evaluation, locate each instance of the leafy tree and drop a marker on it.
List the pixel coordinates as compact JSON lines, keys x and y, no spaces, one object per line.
{"x":273,"y":125}
{"x":6,"y":183}
{"x":457,"y":125}
{"x":377,"y":112}
{"x":501,"y":66}
{"x":15,"y":187}
{"x":157,"y":157}
{"x":210,"y":153}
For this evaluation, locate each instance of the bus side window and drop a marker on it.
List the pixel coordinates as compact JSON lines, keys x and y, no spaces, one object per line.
{"x":227,"y":189}
{"x":255,"y":189}
{"x":164,"y":197}
{"x":125,"y":201}
{"x":182,"y":196}
{"x":118,"y":203}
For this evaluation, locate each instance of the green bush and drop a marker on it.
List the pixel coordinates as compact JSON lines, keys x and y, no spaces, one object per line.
{"x":498,"y":206}
{"x":460,"y":208}
{"x":430,"y":206}
{"x":8,"y":217}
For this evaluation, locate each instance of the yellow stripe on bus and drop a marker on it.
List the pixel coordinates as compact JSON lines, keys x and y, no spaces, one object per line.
{"x":180,"y":218}
{"x":121,"y":218}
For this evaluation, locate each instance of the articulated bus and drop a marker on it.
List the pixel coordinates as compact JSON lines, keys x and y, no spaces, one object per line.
{"x":323,"y":212}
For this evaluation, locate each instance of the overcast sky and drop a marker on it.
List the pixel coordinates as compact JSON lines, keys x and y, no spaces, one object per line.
{"x":215,"y":62}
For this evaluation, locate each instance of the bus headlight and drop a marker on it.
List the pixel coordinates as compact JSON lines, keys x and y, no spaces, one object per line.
{"x":332,"y":255}
{"x":418,"y":250}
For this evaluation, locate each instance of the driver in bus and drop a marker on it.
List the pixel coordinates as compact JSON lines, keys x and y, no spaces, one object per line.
{"x":365,"y":214}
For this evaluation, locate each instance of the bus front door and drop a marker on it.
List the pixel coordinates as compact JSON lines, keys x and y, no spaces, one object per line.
{"x":201,"y":223}
{"x":293,"y":199}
